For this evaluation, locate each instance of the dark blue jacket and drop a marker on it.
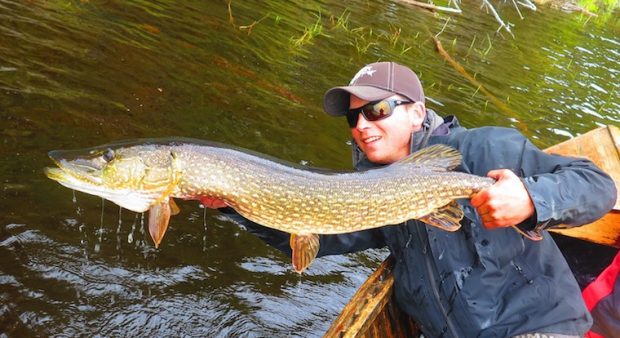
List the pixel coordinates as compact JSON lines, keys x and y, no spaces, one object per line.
{"x":489,"y":283}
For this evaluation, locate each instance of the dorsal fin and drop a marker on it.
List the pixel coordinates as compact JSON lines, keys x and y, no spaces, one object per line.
{"x":438,"y":156}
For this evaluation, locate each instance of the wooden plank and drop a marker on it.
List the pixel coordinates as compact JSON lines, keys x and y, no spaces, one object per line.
{"x":371,"y":312}
{"x":601,"y":146}
{"x":368,"y":303}
{"x":605,"y":231}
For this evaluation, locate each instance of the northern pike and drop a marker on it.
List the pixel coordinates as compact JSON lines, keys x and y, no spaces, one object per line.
{"x":147,"y":174}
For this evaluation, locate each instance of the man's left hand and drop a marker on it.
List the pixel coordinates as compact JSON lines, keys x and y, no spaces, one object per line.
{"x":505,"y":203}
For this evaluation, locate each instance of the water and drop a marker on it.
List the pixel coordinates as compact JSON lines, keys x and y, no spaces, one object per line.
{"x":80,"y":73}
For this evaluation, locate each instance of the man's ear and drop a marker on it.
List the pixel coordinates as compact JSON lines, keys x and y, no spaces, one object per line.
{"x":417,"y":114}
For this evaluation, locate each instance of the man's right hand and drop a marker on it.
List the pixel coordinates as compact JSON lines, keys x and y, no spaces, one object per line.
{"x":505,"y":203}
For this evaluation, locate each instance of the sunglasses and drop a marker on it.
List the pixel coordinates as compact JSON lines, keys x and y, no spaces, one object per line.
{"x":374,"y":111}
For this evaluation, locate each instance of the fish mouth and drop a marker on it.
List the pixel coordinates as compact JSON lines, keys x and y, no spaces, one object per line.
{"x":84,"y":174}
{"x":73,"y":171}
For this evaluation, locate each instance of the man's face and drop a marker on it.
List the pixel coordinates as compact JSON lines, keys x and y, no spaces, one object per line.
{"x":386,"y":141}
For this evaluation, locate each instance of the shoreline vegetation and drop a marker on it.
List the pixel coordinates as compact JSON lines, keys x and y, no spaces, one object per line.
{"x":604,"y":9}
{"x":600,"y":9}
{"x":364,"y":38}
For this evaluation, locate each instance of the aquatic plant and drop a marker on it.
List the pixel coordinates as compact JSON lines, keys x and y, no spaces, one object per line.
{"x":605,"y":9}
{"x":393,"y":38}
{"x":364,"y":39}
{"x":310,"y":33}
{"x":342,"y":21}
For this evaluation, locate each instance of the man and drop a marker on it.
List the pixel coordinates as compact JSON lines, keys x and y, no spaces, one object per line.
{"x":485,"y":280}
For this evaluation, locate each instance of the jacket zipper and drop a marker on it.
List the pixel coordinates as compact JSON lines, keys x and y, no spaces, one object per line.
{"x":432,"y":278}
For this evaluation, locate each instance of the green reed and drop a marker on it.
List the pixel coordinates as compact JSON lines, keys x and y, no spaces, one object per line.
{"x":310,"y":33}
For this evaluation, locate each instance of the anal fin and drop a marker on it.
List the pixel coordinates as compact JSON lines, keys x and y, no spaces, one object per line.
{"x":447,"y":218}
{"x":159,"y":217}
{"x":305,"y":249}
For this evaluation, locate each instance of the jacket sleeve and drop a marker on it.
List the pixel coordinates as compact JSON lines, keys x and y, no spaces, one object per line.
{"x":564,"y":190}
{"x":329,"y":244}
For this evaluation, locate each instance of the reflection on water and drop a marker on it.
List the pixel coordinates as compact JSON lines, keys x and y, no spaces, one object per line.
{"x":50,"y":287}
{"x":75,"y":74}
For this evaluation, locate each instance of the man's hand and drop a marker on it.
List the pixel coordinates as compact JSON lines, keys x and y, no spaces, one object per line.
{"x":505,"y":203}
{"x":213,"y":203}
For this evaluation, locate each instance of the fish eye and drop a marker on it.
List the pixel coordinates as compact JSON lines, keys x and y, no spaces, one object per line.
{"x":108,"y":155}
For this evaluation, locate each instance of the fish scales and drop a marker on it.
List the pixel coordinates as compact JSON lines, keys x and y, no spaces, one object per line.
{"x":266,"y":191}
{"x":302,"y":201}
{"x":143,"y":175}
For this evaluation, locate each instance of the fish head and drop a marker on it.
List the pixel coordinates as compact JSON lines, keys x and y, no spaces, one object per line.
{"x":134,"y":176}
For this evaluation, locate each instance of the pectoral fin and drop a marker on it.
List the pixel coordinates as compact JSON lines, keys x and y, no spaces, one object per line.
{"x":446,"y":218}
{"x":174,"y":208}
{"x":159,"y":216}
{"x":305,"y":249}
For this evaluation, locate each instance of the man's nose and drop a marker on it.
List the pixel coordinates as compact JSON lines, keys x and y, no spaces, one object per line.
{"x":362,"y":123}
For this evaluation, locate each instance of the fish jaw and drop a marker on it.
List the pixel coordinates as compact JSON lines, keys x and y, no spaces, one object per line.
{"x":76,"y":170}
{"x":128,"y":199}
{"x":137,"y":177}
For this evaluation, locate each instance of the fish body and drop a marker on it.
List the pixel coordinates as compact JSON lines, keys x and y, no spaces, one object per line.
{"x":146,"y":175}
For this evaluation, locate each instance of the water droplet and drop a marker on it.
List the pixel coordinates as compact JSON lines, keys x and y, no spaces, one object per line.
{"x":133,"y":229}
{"x":118,"y":228}
{"x":102,"y":209}
{"x":204,"y":219}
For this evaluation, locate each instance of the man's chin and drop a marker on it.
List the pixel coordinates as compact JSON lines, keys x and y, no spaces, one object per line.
{"x":376,"y":157}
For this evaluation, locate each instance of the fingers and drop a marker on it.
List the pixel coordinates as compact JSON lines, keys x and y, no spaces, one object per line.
{"x":505,"y":203}
{"x":480,"y":198}
{"x":489,"y":212}
{"x":499,"y":174}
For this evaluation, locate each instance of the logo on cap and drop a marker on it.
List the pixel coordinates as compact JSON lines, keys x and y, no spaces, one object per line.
{"x":367,"y":70}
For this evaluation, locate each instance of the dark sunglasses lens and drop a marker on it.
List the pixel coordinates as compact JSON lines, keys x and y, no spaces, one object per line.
{"x":378,"y":111}
{"x":352,"y":117}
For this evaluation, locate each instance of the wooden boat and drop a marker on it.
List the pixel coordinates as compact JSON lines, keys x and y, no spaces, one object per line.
{"x":372,"y":312}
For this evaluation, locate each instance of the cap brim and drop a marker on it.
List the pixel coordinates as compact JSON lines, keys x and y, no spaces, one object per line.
{"x":336,"y":100}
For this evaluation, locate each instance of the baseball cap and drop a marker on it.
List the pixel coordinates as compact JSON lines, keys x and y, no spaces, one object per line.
{"x":375,"y":81}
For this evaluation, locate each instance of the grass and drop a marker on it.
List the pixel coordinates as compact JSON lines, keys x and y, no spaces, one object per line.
{"x":599,"y":6}
{"x":361,"y":38}
{"x":310,"y":33}
{"x":341,"y":21}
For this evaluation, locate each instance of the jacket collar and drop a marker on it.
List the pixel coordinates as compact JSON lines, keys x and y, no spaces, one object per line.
{"x":433,"y":125}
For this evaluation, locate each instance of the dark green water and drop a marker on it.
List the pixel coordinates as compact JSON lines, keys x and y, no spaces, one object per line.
{"x":75,"y":74}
